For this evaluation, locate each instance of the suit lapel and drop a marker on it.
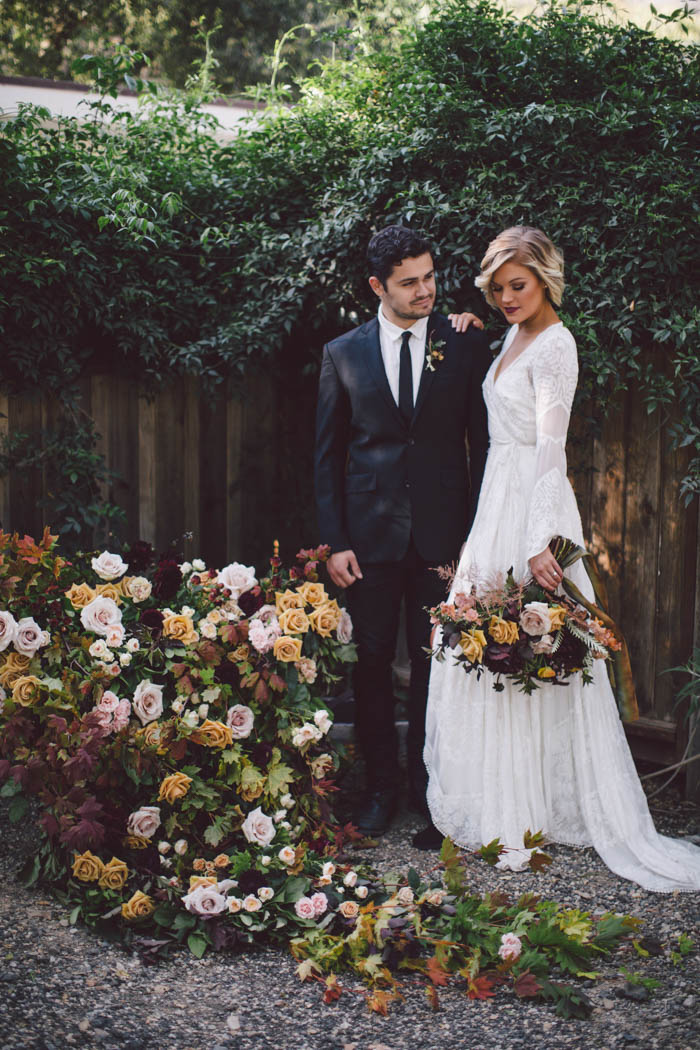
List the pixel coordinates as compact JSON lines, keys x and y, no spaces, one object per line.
{"x":434,"y":331}
{"x":375,"y":365}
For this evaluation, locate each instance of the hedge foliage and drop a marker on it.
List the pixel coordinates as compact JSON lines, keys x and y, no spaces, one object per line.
{"x":142,"y":242}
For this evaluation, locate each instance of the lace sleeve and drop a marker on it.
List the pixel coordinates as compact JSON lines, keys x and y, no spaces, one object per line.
{"x":554,"y":375}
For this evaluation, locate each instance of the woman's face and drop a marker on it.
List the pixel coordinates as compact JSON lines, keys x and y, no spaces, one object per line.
{"x":518,"y":293}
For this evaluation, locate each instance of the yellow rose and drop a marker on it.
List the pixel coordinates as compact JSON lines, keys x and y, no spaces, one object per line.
{"x":180,"y":627}
{"x":546,"y":672}
{"x":504,"y":632}
{"x":173,"y":787}
{"x":288,"y":600}
{"x":87,"y":867}
{"x":202,"y":880}
{"x":287,"y":649}
{"x":313,"y":593}
{"x":472,"y":645}
{"x":294,"y":621}
{"x":240,"y":653}
{"x":110,"y":590}
{"x":26,"y":690}
{"x":222,"y":860}
{"x":138,"y":588}
{"x":325,"y":618}
{"x":213,"y":734}
{"x":80,"y":595}
{"x":134,"y":842}
{"x":114,"y":875}
{"x":140,"y":906}
{"x":14,"y":666}
{"x":152,"y":736}
{"x":557,"y":616}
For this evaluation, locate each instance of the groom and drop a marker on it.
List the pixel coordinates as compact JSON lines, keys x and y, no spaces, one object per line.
{"x":395,"y":495}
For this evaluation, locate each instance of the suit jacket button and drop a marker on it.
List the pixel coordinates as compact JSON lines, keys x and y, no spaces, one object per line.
{"x":407,"y":484}
{"x":411,"y":441}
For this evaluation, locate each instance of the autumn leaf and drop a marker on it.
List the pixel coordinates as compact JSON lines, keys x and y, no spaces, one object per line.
{"x":532,"y":839}
{"x":308,"y":969}
{"x":333,"y":990}
{"x":480,"y":988}
{"x":539,"y":860}
{"x":433,"y":997}
{"x":435,"y":972}
{"x":526,"y":985}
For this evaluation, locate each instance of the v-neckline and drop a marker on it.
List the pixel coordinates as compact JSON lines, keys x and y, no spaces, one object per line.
{"x":498,"y":375}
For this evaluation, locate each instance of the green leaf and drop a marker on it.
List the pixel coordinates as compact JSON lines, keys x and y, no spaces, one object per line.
{"x":197,"y":944}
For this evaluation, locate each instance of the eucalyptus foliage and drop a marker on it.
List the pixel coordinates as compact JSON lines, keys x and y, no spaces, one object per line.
{"x":144,"y":243}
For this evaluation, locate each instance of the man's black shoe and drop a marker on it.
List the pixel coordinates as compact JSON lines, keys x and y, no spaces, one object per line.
{"x":428,"y":839}
{"x":375,"y":816}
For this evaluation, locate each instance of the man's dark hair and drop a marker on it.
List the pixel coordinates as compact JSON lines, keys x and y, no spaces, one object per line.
{"x":390,"y":246}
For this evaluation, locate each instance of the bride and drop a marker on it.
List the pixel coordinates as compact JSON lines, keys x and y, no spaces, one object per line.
{"x":557,"y":761}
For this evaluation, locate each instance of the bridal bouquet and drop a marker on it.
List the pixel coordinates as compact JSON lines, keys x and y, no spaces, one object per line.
{"x":526,"y":634}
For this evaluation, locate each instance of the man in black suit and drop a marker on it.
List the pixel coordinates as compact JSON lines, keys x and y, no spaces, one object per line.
{"x":395,"y":493}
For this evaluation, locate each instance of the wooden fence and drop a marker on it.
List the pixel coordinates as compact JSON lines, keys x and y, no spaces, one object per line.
{"x":235,"y":472}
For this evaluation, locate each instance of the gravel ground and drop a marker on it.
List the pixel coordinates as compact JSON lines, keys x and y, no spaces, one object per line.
{"x":61,"y":986}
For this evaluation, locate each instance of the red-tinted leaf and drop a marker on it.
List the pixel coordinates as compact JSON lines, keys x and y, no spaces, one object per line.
{"x":333,"y":990}
{"x":526,"y":985}
{"x":480,"y":988}
{"x":433,"y":997}
{"x":435,"y":972}
{"x":539,"y":860}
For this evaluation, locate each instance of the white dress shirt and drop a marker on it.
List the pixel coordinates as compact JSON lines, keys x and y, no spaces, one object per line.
{"x":390,"y":336}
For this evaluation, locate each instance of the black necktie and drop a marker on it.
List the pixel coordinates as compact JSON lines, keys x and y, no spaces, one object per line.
{"x":405,"y":380}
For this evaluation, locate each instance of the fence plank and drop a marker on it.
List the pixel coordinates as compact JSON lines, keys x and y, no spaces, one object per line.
{"x":235,"y":435}
{"x":169,"y":442}
{"x":190,"y":459}
{"x":26,"y":491}
{"x":5,"y":505}
{"x":641,"y":547}
{"x":607,"y":535}
{"x":147,"y":468}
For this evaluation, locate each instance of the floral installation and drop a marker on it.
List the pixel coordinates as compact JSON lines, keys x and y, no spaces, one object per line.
{"x":435,"y":354}
{"x":524,"y":633}
{"x":168,"y":722}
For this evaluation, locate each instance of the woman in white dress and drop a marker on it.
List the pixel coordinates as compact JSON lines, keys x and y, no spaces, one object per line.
{"x":556,"y":761}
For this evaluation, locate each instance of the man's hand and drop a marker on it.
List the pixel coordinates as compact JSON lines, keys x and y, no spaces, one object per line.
{"x":343,"y":568}
{"x":462,"y":321}
{"x":546,"y":570}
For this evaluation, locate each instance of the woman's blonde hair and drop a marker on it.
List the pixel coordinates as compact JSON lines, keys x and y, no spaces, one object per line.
{"x":528,"y":247}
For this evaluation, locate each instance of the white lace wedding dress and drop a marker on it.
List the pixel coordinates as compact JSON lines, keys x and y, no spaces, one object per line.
{"x":558,"y":760}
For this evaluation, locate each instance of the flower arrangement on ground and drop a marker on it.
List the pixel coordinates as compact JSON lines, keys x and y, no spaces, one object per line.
{"x":168,"y":720}
{"x":524,"y":633}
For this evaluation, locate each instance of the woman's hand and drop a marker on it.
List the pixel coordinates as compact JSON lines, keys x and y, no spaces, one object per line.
{"x":462,"y":321}
{"x":546,"y":570}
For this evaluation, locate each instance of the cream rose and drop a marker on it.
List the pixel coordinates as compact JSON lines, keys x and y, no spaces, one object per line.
{"x":109,"y":566}
{"x":207,"y":629}
{"x":258,"y":828}
{"x":544,"y":645}
{"x":323,"y":720}
{"x":307,"y":669}
{"x":8,"y":630}
{"x":144,"y":822}
{"x":350,"y":878}
{"x":180,"y":847}
{"x":321,"y":765}
{"x":237,"y":578}
{"x":29,"y":636}
{"x":235,"y":904}
{"x":138,"y":588}
{"x":313,"y":593}
{"x":511,"y":947}
{"x":287,"y":649}
{"x":205,"y":901}
{"x":294,"y":621}
{"x":287,"y":855}
{"x":100,"y":614}
{"x":349,"y":909}
{"x":140,"y":906}
{"x":266,"y":893}
{"x":320,"y":903}
{"x":148,"y":701}
{"x":173,"y":787}
{"x":306,"y":734}
{"x":361,"y":892}
{"x":304,"y":908}
{"x":114,"y":875}
{"x":251,"y":903}
{"x":405,"y":896}
{"x":240,"y":720}
{"x":80,"y":595}
{"x":115,"y":635}
{"x":535,"y":618}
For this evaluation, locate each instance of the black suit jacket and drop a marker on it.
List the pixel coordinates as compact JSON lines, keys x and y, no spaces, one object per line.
{"x":379,"y":480}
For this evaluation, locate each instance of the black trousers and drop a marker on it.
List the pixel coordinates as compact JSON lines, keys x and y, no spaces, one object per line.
{"x":375,"y":604}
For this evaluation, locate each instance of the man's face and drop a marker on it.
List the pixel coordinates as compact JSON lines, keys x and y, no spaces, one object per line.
{"x":410,"y":290}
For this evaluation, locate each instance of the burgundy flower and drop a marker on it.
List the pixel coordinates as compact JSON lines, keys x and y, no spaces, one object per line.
{"x":138,"y":557}
{"x":250,"y":601}
{"x":153,"y":619}
{"x":167,"y":579}
{"x":250,"y":881}
{"x":261,"y":754}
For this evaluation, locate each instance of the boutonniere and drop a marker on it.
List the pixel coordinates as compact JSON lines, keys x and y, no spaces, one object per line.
{"x":435,"y":353}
